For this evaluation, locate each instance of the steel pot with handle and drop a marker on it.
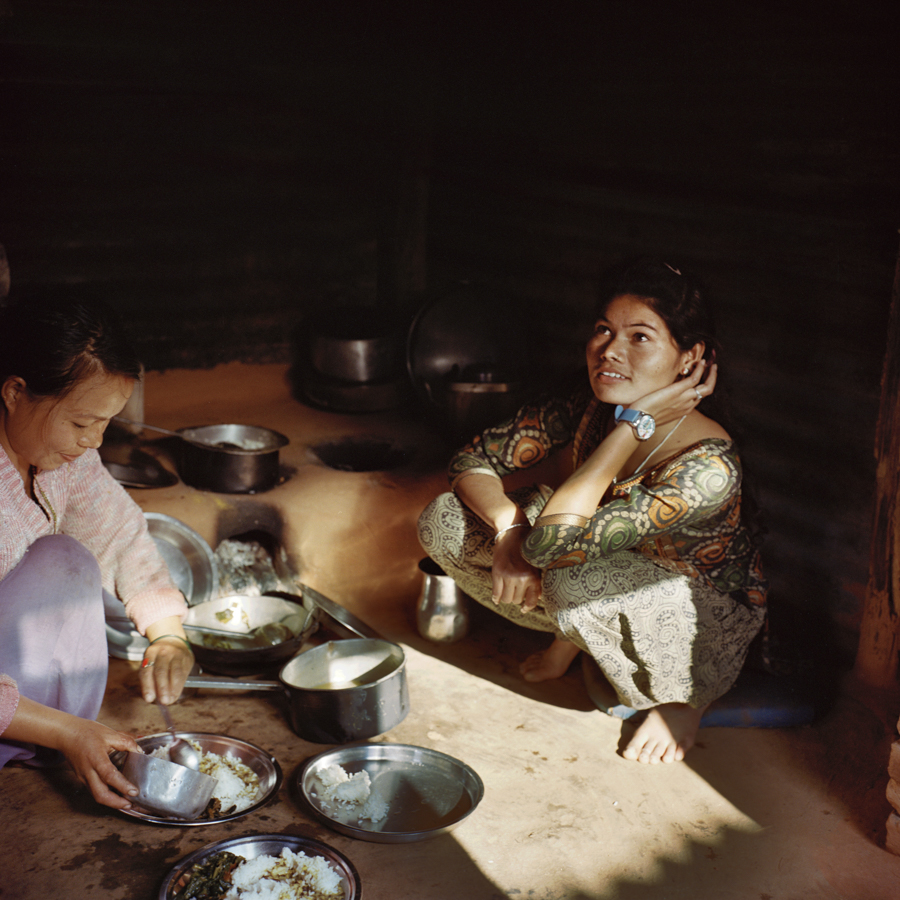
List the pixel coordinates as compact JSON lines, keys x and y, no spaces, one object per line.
{"x":340,"y":691}
{"x":230,"y":459}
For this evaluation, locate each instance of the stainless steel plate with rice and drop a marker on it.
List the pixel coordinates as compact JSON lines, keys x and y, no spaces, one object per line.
{"x":264,"y":766}
{"x":412,"y":793}
{"x":252,"y":846}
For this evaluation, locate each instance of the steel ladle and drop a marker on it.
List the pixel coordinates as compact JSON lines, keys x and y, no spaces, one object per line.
{"x":268,"y":635}
{"x":180,"y":751}
{"x":222,"y":445}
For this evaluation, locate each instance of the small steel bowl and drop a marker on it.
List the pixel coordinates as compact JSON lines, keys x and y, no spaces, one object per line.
{"x":165,"y":787}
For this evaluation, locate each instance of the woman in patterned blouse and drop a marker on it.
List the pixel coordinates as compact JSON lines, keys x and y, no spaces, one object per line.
{"x":641,"y":556}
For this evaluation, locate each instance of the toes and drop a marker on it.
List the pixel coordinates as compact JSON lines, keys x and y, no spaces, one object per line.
{"x":673,"y":753}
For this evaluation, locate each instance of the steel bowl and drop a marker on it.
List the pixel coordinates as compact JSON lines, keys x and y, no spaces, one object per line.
{"x":164,"y":787}
{"x":241,"y":614}
{"x":251,"y":846}
{"x":263,"y":764}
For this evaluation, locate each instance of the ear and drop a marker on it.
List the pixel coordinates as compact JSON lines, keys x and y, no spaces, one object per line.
{"x":12,"y":391}
{"x":692,"y":357}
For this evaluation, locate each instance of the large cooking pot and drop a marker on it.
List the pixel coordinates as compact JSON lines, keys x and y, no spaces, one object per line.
{"x":355,"y":344}
{"x":337,"y":692}
{"x":230,"y":459}
{"x":239,"y":615}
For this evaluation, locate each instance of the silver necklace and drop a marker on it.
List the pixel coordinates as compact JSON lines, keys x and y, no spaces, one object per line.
{"x":657,"y":448}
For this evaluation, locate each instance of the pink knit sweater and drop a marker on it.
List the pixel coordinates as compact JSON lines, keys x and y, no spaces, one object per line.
{"x":84,"y":501}
{"x":9,"y":701}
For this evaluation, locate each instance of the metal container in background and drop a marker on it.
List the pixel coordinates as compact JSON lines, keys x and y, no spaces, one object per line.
{"x":134,"y":408}
{"x":442,"y":613}
{"x":356,"y":356}
{"x":472,"y":406}
{"x":350,"y":359}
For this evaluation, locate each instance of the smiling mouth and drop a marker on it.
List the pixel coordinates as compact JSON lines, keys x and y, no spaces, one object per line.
{"x":601,"y":373}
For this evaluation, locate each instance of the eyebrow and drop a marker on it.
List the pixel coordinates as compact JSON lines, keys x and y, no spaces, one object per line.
{"x":633,"y":324}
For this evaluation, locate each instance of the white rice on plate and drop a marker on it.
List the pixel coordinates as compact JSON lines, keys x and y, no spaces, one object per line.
{"x":290,"y":876}
{"x":342,"y":792}
{"x":238,"y":785}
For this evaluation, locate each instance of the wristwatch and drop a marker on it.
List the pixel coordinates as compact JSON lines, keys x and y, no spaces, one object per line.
{"x":643,"y":423}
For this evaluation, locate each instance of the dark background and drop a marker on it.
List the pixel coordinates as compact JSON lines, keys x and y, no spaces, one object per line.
{"x":221,"y":170}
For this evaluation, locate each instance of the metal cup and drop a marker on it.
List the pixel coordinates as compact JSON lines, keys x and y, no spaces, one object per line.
{"x":442,"y":613}
{"x":164,"y":787}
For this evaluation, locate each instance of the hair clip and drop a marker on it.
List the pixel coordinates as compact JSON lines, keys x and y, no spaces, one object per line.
{"x":672,"y":270}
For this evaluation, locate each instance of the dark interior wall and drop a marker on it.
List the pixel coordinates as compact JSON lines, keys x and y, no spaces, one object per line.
{"x":220,"y":170}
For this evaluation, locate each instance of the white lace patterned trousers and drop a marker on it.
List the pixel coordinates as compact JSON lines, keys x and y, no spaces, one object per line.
{"x":658,"y":636}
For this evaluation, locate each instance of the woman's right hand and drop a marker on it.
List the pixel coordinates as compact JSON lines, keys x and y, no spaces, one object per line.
{"x":514,"y":580}
{"x":87,"y":746}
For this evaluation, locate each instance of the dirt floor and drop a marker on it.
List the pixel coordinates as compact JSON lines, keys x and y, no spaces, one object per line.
{"x":752,"y":814}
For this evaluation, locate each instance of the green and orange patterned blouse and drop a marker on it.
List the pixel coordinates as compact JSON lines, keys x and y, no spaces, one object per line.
{"x":683,"y":512}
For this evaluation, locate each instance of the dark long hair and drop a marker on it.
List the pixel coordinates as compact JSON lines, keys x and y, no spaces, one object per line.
{"x":682,"y":301}
{"x":677,"y":296}
{"x":52,"y":344}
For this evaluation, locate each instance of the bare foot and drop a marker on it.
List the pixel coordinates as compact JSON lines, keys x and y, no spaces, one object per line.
{"x":551,"y":663}
{"x":665,"y":735}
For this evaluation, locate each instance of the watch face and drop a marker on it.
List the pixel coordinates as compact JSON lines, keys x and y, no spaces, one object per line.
{"x":644,"y":427}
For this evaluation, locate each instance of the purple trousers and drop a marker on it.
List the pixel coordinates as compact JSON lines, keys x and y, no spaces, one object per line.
{"x":53,"y":633}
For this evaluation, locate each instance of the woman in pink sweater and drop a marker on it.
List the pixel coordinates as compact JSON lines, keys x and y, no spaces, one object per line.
{"x":69,"y":534}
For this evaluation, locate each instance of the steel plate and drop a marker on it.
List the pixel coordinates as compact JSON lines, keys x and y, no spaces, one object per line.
{"x":427,"y":792}
{"x":190,"y":559}
{"x":251,"y":846}
{"x":263,"y":764}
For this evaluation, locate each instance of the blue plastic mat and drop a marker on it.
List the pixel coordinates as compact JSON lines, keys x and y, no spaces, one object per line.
{"x":757,"y":700}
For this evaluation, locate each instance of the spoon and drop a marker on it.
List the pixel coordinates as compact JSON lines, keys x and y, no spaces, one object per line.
{"x":148,"y":427}
{"x":180,"y":751}
{"x":221,"y":445}
{"x":268,"y":635}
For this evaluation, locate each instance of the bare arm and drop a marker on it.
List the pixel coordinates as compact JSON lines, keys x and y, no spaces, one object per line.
{"x":85,"y":744}
{"x":514,"y":580}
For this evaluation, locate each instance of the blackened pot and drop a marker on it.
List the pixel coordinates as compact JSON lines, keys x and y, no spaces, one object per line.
{"x":230,"y":459}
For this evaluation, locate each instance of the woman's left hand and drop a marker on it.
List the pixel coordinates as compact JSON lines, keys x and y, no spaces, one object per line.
{"x":166,"y":665}
{"x":681,"y":397}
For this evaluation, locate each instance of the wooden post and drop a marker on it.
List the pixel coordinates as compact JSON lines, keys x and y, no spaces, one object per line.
{"x":4,"y":275}
{"x":876,"y":664}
